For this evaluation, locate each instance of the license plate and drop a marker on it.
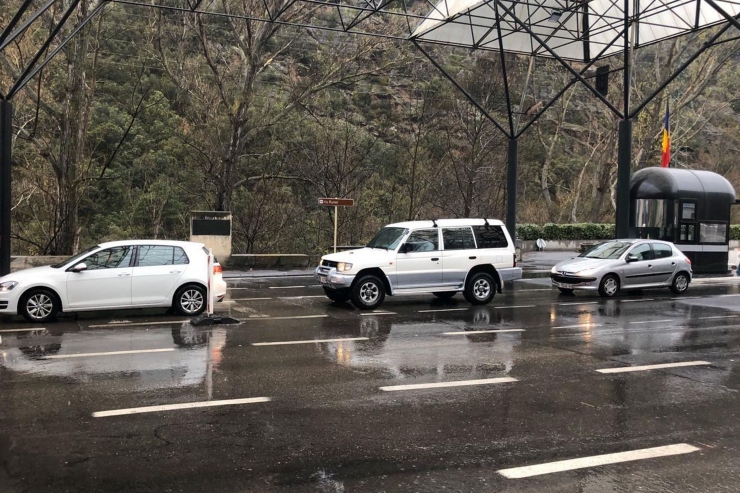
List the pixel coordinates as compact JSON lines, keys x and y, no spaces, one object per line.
{"x":322,"y":279}
{"x":564,"y":285}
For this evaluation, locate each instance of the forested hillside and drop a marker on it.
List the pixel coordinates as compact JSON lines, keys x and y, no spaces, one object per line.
{"x":148,"y":114}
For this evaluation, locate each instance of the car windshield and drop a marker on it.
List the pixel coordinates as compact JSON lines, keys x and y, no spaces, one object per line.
{"x":388,"y":238}
{"x":77,"y":257}
{"x":609,"y":250}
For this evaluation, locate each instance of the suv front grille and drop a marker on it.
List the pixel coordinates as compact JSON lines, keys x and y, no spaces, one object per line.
{"x":328,"y":263}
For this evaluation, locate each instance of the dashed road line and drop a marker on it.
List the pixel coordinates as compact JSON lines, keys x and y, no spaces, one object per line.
{"x":366,"y":314}
{"x":300,"y":297}
{"x":653,"y":367}
{"x":579,"y":303}
{"x":287,"y":287}
{"x":469,"y":332}
{"x":23,"y":330}
{"x":139,"y":324}
{"x":577,"y":326}
{"x":458,"y":383}
{"x":313,"y":341}
{"x":652,"y":321}
{"x":445,"y":310}
{"x":296,"y":317}
{"x":172,"y":407}
{"x":110,"y":353}
{"x":597,"y":460}
{"x":515,"y":306}
{"x":637,"y":301}
{"x":250,"y":299}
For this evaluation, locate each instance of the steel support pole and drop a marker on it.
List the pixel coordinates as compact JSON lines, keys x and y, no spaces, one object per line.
{"x":511,"y":172}
{"x":624,"y":151}
{"x":6,"y":141}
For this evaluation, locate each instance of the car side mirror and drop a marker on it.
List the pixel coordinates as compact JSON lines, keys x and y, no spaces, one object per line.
{"x":631,"y":258}
{"x":79,"y":267}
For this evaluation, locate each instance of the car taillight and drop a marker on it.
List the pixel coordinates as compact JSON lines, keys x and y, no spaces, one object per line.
{"x":688,"y":260}
{"x":217,"y":269}
{"x":515,"y":260}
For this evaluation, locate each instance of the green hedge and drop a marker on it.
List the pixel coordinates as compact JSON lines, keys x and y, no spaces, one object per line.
{"x":578,"y":231}
{"x":734,"y":231}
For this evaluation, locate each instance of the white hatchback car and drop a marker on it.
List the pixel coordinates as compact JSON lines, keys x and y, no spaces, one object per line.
{"x":114,"y":275}
{"x":444,"y":257}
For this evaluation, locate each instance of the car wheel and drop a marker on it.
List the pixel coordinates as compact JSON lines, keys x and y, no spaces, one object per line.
{"x":609,"y":286}
{"x":337,"y":295}
{"x":39,"y":305}
{"x":445,"y":295}
{"x":368,"y":293}
{"x":480,"y":289}
{"x":190,"y":300}
{"x":566,"y":290}
{"x":680,"y":283}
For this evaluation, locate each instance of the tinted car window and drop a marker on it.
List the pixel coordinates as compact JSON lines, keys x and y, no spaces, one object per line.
{"x":423,"y":240}
{"x":180,"y":258}
{"x":151,"y":255}
{"x":642,"y":252}
{"x":110,"y":258}
{"x":490,"y":237}
{"x":458,"y":238}
{"x":662,"y":251}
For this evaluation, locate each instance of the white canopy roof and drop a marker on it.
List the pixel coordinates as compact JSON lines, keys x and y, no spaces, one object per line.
{"x":583,"y":30}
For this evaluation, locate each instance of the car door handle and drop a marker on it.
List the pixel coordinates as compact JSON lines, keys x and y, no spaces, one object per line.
{"x":124,"y":274}
{"x":673,"y":263}
{"x":472,"y":258}
{"x":434,"y":259}
{"x":175,"y":271}
{"x":650,"y":266}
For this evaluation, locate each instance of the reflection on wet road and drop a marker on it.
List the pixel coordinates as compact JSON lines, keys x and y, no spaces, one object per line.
{"x":536,"y":391}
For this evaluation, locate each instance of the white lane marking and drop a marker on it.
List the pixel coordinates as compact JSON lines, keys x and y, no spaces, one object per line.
{"x":719,"y":316}
{"x":23,"y":330}
{"x":492,"y":331}
{"x":300,"y":297}
{"x":366,"y":314}
{"x":458,"y":383}
{"x":538,"y":289}
{"x":579,"y":326}
{"x":290,"y":287}
{"x":444,"y":310}
{"x":516,"y":306}
{"x":637,"y":301}
{"x":652,"y":321}
{"x":171,"y":407}
{"x":579,"y":303}
{"x":284,"y":343}
{"x":724,"y":295}
{"x":138,"y":324}
{"x":653,"y":367}
{"x":283,"y":318}
{"x":250,"y":299}
{"x":597,"y":460}
{"x":110,"y":353}
{"x":227,"y":279}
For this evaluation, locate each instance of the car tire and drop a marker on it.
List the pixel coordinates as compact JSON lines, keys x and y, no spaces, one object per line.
{"x":609,"y":286}
{"x":480,"y":289}
{"x":39,"y":306}
{"x":368,"y":292}
{"x":445,"y":295}
{"x":680,"y":283}
{"x":337,"y":295}
{"x":566,"y":290}
{"x":190,"y":300}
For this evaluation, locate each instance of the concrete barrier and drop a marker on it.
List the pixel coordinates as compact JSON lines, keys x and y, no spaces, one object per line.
{"x":246,"y":261}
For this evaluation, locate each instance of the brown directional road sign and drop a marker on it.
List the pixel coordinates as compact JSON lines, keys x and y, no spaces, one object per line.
{"x":337,"y":202}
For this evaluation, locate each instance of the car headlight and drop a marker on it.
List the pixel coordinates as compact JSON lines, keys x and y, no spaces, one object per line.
{"x":586,"y":272}
{"x":554,"y":270}
{"x":343,"y":267}
{"x":7,"y":286}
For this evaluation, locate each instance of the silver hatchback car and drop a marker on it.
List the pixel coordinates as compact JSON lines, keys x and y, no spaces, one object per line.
{"x":622,"y":265}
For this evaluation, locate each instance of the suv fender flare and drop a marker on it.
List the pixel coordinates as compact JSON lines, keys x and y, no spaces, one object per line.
{"x":491,"y":270}
{"x":376,"y":271}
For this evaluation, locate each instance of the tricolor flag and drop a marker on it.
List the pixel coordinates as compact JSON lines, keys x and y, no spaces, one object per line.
{"x":665,"y":157}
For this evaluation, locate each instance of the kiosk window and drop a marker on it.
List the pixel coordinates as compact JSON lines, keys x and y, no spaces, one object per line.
{"x":687,"y":232}
{"x":688,"y":211}
{"x":713,"y":233}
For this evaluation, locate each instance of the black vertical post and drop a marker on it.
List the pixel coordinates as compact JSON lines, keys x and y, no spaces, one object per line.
{"x":511,"y":188}
{"x":624,"y":157}
{"x":624,"y":152}
{"x":6,"y":134}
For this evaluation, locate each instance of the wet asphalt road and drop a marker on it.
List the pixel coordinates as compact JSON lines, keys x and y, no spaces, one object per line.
{"x":327,"y":420}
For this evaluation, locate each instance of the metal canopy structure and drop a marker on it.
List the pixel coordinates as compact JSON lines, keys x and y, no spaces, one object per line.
{"x":583,"y":31}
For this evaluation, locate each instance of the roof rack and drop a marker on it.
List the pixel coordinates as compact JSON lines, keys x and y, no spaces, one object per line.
{"x":434,"y":222}
{"x":487,"y":225}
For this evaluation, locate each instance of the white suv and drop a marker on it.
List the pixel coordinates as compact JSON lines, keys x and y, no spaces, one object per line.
{"x":443,"y":257}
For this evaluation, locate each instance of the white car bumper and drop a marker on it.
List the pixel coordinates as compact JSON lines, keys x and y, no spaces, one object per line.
{"x":330,"y":278}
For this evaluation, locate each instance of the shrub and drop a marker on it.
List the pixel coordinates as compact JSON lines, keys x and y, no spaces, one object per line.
{"x":579,"y":231}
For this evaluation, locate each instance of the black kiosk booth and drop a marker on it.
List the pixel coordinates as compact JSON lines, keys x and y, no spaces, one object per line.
{"x":688,"y":207}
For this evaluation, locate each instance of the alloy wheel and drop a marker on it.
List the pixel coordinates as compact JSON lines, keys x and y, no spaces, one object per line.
{"x":369,"y":293}
{"x":481,"y":289}
{"x":39,"y":306}
{"x":191,"y":300}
